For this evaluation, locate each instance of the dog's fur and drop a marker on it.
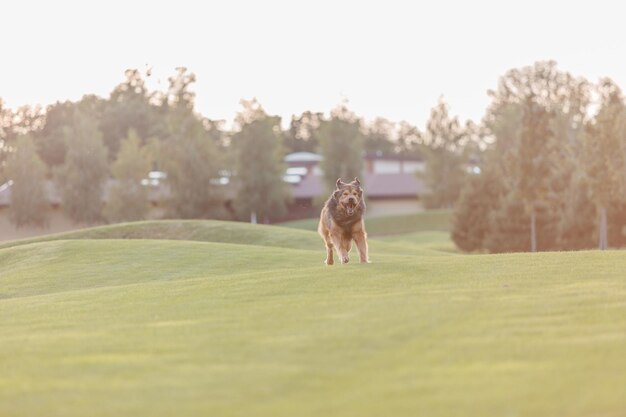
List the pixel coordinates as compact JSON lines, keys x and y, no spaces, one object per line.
{"x":341,"y":221}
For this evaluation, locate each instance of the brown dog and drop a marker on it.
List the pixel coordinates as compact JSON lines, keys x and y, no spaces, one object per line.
{"x":341,"y":221}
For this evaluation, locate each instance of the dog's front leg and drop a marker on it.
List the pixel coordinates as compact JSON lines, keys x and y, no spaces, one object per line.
{"x":329,"y":253}
{"x":340,"y":246}
{"x":360,"y":238}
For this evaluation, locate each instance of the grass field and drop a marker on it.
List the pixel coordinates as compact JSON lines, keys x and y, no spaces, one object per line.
{"x":226,"y":319}
{"x":433,"y":220}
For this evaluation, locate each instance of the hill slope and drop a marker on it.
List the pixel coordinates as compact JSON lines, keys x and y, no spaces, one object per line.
{"x":190,"y":230}
{"x":113,"y":327}
{"x":431,"y":220}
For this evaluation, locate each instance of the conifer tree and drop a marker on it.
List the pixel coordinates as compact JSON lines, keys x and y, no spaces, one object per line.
{"x":472,"y":215}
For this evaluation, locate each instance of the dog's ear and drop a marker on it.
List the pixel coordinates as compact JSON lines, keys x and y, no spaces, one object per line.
{"x":340,"y":183}
{"x":356,"y":181}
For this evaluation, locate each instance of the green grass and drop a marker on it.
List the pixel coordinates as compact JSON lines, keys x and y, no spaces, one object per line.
{"x":191,"y":230}
{"x":240,"y":320}
{"x":432,"y":220}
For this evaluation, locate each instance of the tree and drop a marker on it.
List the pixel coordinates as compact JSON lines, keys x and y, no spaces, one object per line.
{"x":341,"y":145}
{"x":576,"y":224}
{"x":302,"y":135}
{"x":13,"y":123}
{"x":29,"y":202}
{"x":128,"y":197}
{"x":509,"y":225}
{"x":51,"y":139}
{"x":509,"y":230}
{"x":409,"y":140}
{"x":128,"y":108}
{"x":542,"y":97}
{"x":259,"y":166}
{"x":446,"y":160}
{"x":82,"y":177}
{"x":534,"y":161}
{"x":472,"y":215}
{"x":604,"y":160}
{"x":378,"y":136}
{"x":189,"y":156}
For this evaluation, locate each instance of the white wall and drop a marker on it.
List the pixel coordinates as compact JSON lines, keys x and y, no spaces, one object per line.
{"x":386,"y":167}
{"x":414,"y":166}
{"x":389,"y":207}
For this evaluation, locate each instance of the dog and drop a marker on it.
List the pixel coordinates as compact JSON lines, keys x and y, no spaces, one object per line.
{"x":341,"y":221}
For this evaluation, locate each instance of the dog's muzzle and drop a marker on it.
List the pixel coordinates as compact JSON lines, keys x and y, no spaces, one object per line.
{"x":350,"y":207}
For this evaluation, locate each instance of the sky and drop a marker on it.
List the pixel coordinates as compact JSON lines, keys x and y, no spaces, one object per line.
{"x":391,"y":58}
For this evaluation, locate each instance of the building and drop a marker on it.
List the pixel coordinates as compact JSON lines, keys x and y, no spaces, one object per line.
{"x":390,"y":181}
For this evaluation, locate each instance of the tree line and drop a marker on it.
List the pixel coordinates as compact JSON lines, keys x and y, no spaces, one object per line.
{"x":81,"y":146}
{"x":544,"y":169}
{"x":553,"y":176}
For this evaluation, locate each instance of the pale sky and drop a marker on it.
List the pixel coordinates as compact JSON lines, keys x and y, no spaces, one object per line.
{"x":388,"y":58}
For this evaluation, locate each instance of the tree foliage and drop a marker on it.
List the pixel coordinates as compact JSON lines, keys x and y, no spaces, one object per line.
{"x":129,"y":107}
{"x":189,"y":156}
{"x":473,"y":214}
{"x":603,"y":159}
{"x":259,"y":166}
{"x":29,"y":201}
{"x":341,"y":145}
{"x":128,"y":197}
{"x":81,"y":179}
{"x":302,"y":134}
{"x":13,"y":123}
{"x":446,"y":158}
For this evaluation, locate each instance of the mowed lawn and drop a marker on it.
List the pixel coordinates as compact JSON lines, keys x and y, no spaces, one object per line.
{"x":238,"y":320}
{"x":427,"y":221}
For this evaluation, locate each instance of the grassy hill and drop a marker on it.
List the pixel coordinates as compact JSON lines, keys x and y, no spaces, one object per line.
{"x":432,"y":220}
{"x":222,"y":319}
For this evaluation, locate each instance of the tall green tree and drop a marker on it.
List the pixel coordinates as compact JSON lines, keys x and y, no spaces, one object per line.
{"x":81,"y":179}
{"x":13,"y":123}
{"x":189,"y":155}
{"x":128,"y":197}
{"x":341,"y":145}
{"x":446,"y":163}
{"x":604,"y":158}
{"x":473,"y":213}
{"x":302,"y":134}
{"x":378,"y":136}
{"x":534,"y":161}
{"x":29,"y":202}
{"x":51,"y":139}
{"x":409,"y":140}
{"x":576,"y":221}
{"x":129,"y":107}
{"x":538,"y":95}
{"x":259,"y":169}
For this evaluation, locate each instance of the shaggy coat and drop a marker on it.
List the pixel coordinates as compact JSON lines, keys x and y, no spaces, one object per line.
{"x":341,"y":222}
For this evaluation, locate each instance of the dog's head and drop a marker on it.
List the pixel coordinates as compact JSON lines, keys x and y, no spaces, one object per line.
{"x":348,"y":195}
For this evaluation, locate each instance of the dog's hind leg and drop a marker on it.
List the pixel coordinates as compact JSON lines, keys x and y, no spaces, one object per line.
{"x":360,"y":238}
